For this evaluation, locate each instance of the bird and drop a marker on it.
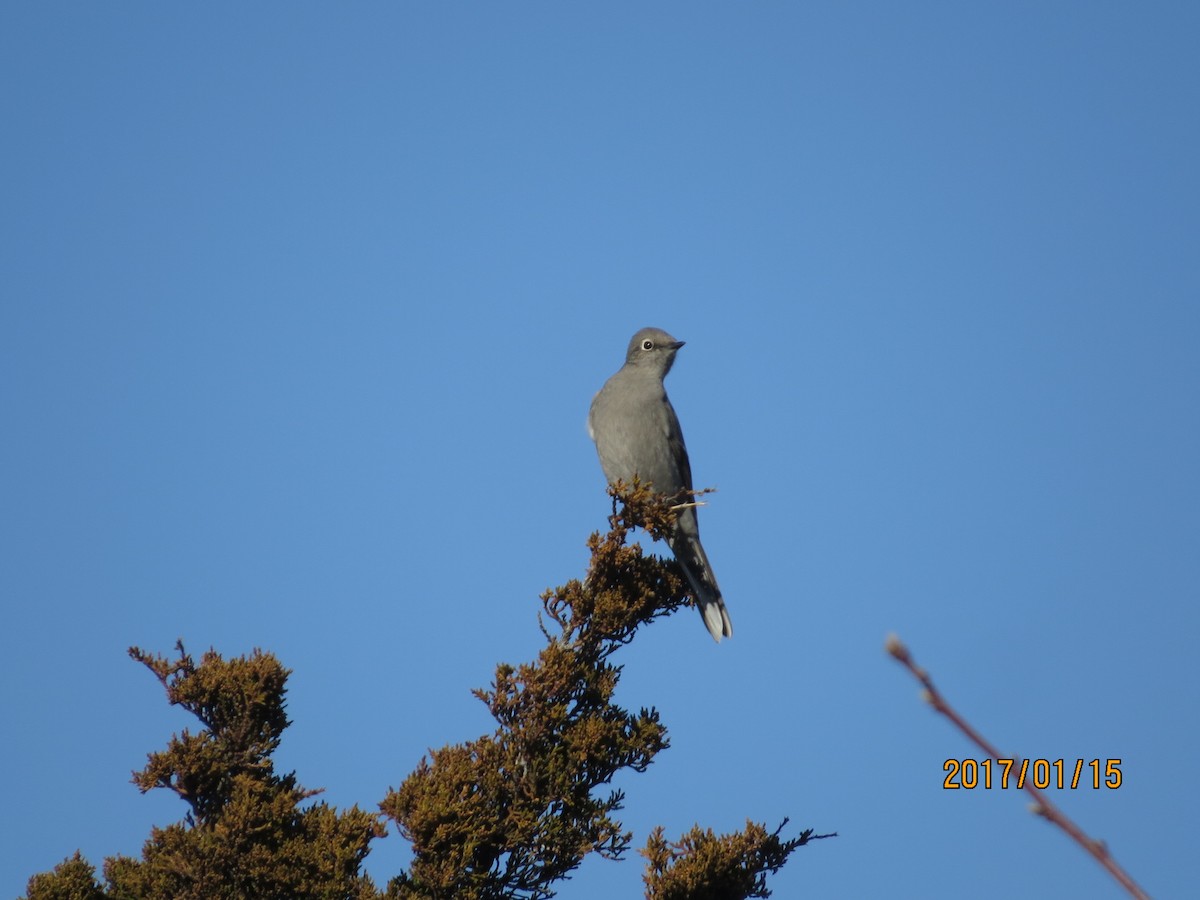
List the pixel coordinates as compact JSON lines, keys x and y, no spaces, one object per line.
{"x":637,"y":434}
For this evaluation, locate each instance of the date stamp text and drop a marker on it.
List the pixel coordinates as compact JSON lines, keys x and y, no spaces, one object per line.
{"x":1041,"y":773}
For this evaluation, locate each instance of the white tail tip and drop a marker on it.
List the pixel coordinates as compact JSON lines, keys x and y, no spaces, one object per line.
{"x":716,"y":620}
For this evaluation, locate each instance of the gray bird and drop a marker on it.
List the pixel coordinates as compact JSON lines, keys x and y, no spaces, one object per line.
{"x":637,"y":433}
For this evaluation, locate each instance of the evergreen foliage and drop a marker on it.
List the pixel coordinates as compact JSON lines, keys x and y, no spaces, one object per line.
{"x":507,"y":815}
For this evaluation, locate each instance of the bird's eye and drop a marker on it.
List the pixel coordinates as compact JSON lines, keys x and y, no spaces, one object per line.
{"x":647,"y":345}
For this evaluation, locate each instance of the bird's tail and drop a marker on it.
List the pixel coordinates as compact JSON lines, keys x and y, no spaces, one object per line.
{"x":692,"y":559}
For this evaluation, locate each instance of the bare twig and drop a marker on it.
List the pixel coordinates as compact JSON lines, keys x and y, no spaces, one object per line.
{"x":1042,"y":805}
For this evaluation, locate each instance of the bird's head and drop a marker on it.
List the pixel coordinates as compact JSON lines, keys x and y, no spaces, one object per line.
{"x":652,"y":349}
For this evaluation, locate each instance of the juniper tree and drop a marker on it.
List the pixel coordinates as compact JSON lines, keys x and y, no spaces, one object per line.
{"x":506,"y":815}
{"x":245,"y":834}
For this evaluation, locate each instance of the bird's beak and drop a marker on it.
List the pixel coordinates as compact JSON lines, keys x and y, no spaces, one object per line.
{"x":677,"y":345}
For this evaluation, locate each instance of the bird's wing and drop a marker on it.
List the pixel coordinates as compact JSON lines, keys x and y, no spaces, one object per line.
{"x":678,"y":450}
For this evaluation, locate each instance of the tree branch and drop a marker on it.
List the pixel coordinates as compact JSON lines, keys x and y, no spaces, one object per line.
{"x":1042,"y":805}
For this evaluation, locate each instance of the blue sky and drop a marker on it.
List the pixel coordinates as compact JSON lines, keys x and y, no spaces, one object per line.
{"x":302,"y":306}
